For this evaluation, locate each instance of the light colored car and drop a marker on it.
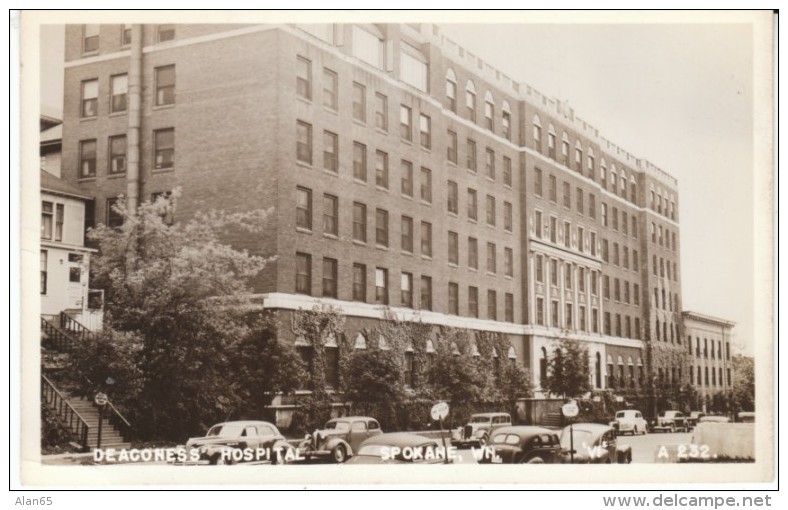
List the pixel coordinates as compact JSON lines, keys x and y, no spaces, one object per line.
{"x":340,"y":438}
{"x":593,"y":443}
{"x":630,"y":421}
{"x":480,"y":427}
{"x":241,"y":441}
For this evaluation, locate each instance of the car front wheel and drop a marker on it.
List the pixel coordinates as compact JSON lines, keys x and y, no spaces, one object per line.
{"x":483,"y":440}
{"x":672,"y":428}
{"x":339,"y":454}
{"x":533,"y":460}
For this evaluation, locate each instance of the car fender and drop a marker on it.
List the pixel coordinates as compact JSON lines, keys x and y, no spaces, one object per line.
{"x":210,"y":450}
{"x":623,"y":451}
{"x":333,"y":442}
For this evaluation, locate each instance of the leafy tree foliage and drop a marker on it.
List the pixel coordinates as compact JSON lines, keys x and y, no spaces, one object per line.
{"x":743,"y":382}
{"x":376,"y":387}
{"x":568,"y":372}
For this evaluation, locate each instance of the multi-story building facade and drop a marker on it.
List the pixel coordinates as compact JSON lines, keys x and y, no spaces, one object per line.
{"x":401,"y":170}
{"x":709,"y":343}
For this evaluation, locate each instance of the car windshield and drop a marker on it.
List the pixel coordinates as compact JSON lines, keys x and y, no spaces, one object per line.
{"x":505,"y":439}
{"x":226,"y":430}
{"x":341,"y":426}
{"x":581,"y":438}
{"x":480,"y":419}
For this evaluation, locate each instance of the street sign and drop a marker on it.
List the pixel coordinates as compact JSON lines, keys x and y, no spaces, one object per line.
{"x":570,"y":409}
{"x":100,"y":399}
{"x":440,"y":411}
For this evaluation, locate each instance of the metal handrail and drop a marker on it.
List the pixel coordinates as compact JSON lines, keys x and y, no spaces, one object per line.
{"x":67,"y":413}
{"x":71,"y":324}
{"x":118,"y":414}
{"x":61,"y":339}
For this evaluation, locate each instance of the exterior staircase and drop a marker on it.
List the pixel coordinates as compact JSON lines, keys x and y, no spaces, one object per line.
{"x":59,"y":334}
{"x":553,"y":420}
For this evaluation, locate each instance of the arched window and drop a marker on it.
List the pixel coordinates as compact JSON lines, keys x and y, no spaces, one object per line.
{"x":470,"y":100}
{"x":543,"y":368}
{"x":454,"y":349}
{"x":591,"y":162}
{"x":475,"y":350}
{"x":633,"y":191}
{"x":631,"y":367}
{"x":551,"y":141}
{"x":598,"y":370}
{"x":641,"y":372}
{"x":565,"y":149}
{"x":512,"y":355}
{"x":609,"y":373}
{"x":383,"y":344}
{"x":506,"y":120}
{"x":603,"y":173}
{"x":613,"y":181}
{"x":537,"y":133}
{"x":430,"y":347}
{"x":622,"y":381}
{"x":361,"y":342}
{"x":623,"y":183}
{"x":489,"y":111}
{"x":579,"y":157}
{"x":451,"y":89}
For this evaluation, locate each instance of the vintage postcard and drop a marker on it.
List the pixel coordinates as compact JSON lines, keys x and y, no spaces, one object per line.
{"x":275,"y":248}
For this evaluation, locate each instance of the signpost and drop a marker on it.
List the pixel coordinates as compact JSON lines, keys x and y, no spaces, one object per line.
{"x":439,"y":412}
{"x":101,"y":400}
{"x":570,"y":410}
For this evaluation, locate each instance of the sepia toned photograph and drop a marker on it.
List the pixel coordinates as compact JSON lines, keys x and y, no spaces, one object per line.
{"x":318,"y":248}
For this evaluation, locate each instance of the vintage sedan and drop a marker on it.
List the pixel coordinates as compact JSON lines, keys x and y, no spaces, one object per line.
{"x":694,"y":418}
{"x":401,"y":448}
{"x":340,"y":438}
{"x":630,"y":420}
{"x":524,"y":444}
{"x":671,"y":421}
{"x":479,"y":428}
{"x":241,"y":441}
{"x":593,"y":443}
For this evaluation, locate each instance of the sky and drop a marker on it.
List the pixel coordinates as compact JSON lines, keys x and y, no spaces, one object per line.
{"x":677,"y":95}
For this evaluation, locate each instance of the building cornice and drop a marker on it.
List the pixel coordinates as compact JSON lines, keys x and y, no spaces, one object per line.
{"x":686,"y":314}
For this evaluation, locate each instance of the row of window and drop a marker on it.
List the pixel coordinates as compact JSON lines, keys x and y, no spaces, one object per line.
{"x":624,"y":326}
{"x":669,"y":301}
{"x":664,"y":268}
{"x":52,"y":219}
{"x":708,"y":353}
{"x":611,"y":380}
{"x":665,"y":330}
{"x":163,"y":153}
{"x":163,"y":86}
{"x":382,"y":288}
{"x":663,"y":206}
{"x":663,"y":237}
{"x":91,"y":33}
{"x":716,"y":380}
{"x":470,"y":106}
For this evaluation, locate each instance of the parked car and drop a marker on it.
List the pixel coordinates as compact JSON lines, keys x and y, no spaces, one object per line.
{"x":399,"y":448}
{"x":479,"y":428}
{"x":524,"y":444}
{"x":593,"y":443}
{"x":746,"y":417}
{"x":241,"y":441}
{"x":671,"y":421}
{"x":340,"y":438}
{"x":694,"y":418}
{"x":631,"y":421}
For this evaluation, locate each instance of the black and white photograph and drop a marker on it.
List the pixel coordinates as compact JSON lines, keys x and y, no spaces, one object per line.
{"x":318,"y":248}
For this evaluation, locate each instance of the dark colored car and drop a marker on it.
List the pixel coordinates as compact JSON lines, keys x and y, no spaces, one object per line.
{"x":400,"y":448}
{"x":340,"y":438}
{"x":694,"y":418}
{"x":524,"y":444}
{"x":241,"y":441}
{"x":671,"y":421}
{"x":594,"y":443}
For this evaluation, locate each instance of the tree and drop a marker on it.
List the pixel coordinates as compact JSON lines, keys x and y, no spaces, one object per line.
{"x":514,"y":384}
{"x":568,"y":372}
{"x":743,"y":382}
{"x":178,"y":290}
{"x":375,"y":388}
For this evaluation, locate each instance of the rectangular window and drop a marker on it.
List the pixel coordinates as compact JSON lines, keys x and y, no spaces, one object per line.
{"x":635,"y":261}
{"x":381,"y":228}
{"x":330,"y":214}
{"x":406,"y":235}
{"x":381,"y":112}
{"x":329,"y":277}
{"x":59,"y":219}
{"x":330,"y":89}
{"x":617,"y":289}
{"x":539,"y":268}
{"x":452,"y":198}
{"x":359,"y":102}
{"x":473,"y":301}
{"x":615,"y":254}
{"x":406,"y":123}
{"x":538,"y":223}
{"x":470,"y":104}
{"x":471,"y":155}
{"x":614,"y":217}
{"x":553,"y":189}
{"x":607,"y":324}
{"x":330,"y":151}
{"x":595,"y":320}
{"x":492,"y":305}
{"x":489,"y":114}
{"x":407,"y":178}
{"x":382,"y":169}
{"x":114,"y":217}
{"x":553,"y":229}
{"x":303,"y":273}
{"x":125,"y":35}
{"x":426,"y":239}
{"x":626,"y":292}
{"x":165,"y":32}
{"x":567,"y":195}
{"x":490,"y":163}
{"x":473,"y":253}
{"x":554,"y":314}
{"x":359,"y":222}
{"x":359,"y":282}
{"x":454,"y":250}
{"x":491,"y":210}
{"x":425,"y":131}
{"x":47,"y":217}
{"x":606,"y":287}
{"x":507,"y":171}
{"x":508,"y":307}
{"x":89,"y":98}
{"x":581,"y":279}
{"x":567,"y":234}
{"x":119,"y":88}
{"x":304,"y":142}
{"x":594,"y":283}
{"x":580,"y":200}
{"x":624,"y":223}
{"x":540,"y":311}
{"x":567,"y":276}
{"x":580,"y":239}
{"x":451,"y":147}
{"x":605,"y":251}
{"x":90,"y":38}
{"x":553,"y":272}
{"x":636,"y":293}
{"x":507,"y":216}
{"x":359,"y":161}
{"x":117,"y":155}
{"x":304,"y":208}
{"x":592,"y":205}
{"x":625,"y":261}
{"x":592,"y":242}
{"x":87,"y":158}
{"x":406,"y":290}
{"x":508,"y":262}
{"x":381,"y":286}
{"x":165,"y":85}
{"x":538,"y":182}
{"x":491,"y":258}
{"x":454,"y":298}
{"x":568,"y":315}
{"x":43,"y":270}
{"x":426,"y":293}
{"x":426,"y":185}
